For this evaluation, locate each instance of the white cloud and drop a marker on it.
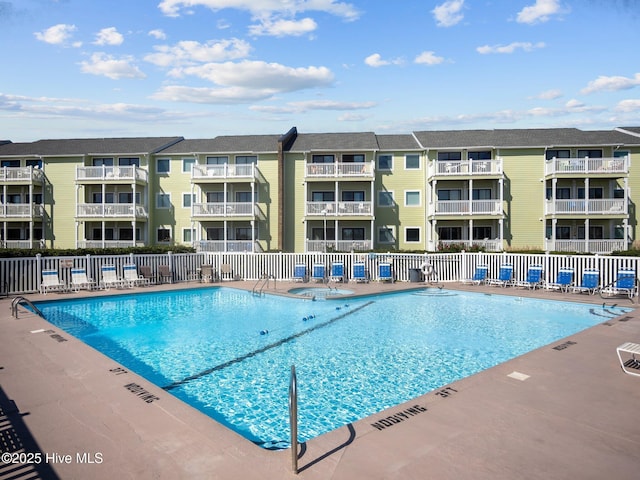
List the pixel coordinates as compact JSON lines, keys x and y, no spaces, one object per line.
{"x":158,"y":34}
{"x":310,"y":105}
{"x":229,"y":95}
{"x":540,"y":11}
{"x":265,"y":8}
{"x":549,"y":95}
{"x":108,"y":66}
{"x":611,"y":84}
{"x":448,"y":13}
{"x":57,"y":35}
{"x":512,"y":47}
{"x":190,"y":52}
{"x":283,"y":28}
{"x":109,"y":36}
{"x":428,"y":58}
{"x":375,"y":60}
{"x":629,"y":105}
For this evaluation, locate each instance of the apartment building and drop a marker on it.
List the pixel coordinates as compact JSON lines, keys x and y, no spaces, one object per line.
{"x":555,"y":189}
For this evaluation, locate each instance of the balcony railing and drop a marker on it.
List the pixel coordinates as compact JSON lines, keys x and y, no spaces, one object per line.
{"x":338,"y":245}
{"x":225,"y":171}
{"x":109,"y":243}
{"x":468,"y":207}
{"x":227,"y":209}
{"x":106,"y":174}
{"x":110,"y":210}
{"x":586,"y":246}
{"x":21,"y":210}
{"x":602,"y":206}
{"x":19,"y":243}
{"x":21,"y":175}
{"x":466,"y":167}
{"x":228,"y":246}
{"x":488,"y":245}
{"x":340,"y":169}
{"x":587,"y":165}
{"x":333,"y":209}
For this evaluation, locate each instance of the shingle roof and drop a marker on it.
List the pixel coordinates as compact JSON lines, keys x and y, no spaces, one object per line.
{"x":364,"y":141}
{"x":630,"y":130}
{"x":397,"y":142}
{"x":227,"y":144}
{"x":88,"y":146}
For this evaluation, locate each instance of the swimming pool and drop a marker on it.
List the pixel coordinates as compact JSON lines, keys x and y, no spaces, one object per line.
{"x":320,"y":292}
{"x":228,"y":353}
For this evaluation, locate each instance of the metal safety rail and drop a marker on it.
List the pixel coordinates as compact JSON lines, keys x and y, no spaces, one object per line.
{"x":262,"y":282}
{"x":293,"y":418}
{"x":17,"y":301}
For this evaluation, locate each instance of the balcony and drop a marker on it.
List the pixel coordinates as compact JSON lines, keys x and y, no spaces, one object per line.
{"x":584,"y":166}
{"x":586,"y":246}
{"x":110,"y":210}
{"x":487,"y":244}
{"x":206,"y":173}
{"x":109,"y":244}
{"x":338,"y":245}
{"x":468,"y":207}
{"x":22,"y":175}
{"x":342,"y":170}
{"x":228,"y":246}
{"x":466,"y":168}
{"x":601,"y":206}
{"x":227,"y":209}
{"x":104,"y":174}
{"x":338,"y":209}
{"x":19,"y":244}
{"x":22,"y":211}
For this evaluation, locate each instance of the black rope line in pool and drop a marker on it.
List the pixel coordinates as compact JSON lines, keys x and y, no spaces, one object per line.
{"x":261,"y":350}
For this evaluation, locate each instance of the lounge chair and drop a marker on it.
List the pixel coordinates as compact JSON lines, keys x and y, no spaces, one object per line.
{"x":479,"y":276}
{"x":131,"y":276}
{"x":505,"y":277}
{"x":360,"y":272}
{"x":146,"y":272}
{"x":318,"y":272}
{"x":625,"y":284}
{"x":385,"y":274}
{"x":165,"y":274}
{"x":590,"y":282}
{"x":51,"y":282}
{"x":534,"y":278}
{"x":207,"y":274}
{"x":563,"y":281}
{"x":631,"y":362}
{"x":337,"y":272}
{"x":80,"y":281}
{"x":226,"y":272}
{"x":299,"y":272}
{"x":110,"y":277}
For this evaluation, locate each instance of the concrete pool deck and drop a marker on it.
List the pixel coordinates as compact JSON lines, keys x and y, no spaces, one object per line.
{"x":566,"y":410}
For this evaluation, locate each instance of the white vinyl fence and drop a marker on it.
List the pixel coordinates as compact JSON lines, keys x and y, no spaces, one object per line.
{"x":23,"y":275}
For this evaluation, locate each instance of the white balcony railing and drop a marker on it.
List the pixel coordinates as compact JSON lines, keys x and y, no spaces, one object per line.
{"x":109,"y":243}
{"x":228,"y":246}
{"x":468,"y":207}
{"x":225,"y":171}
{"x":106,"y":174}
{"x":586,"y":246}
{"x":602,"y":206}
{"x":110,"y":210}
{"x":21,"y":175}
{"x":466,"y":167}
{"x":338,"y":245}
{"x":332,"y":209}
{"x":587,"y":165}
{"x":340,"y":169}
{"x":489,"y":245}
{"x":227,"y":209}
{"x":21,"y":210}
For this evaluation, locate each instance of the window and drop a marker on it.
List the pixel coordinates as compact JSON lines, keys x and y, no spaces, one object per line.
{"x":109,"y":197}
{"x":480,"y":155}
{"x":618,"y":193}
{"x":352,"y":234}
{"x":594,"y":192}
{"x":563,"y":232}
{"x":385,"y":162}
{"x":10,"y":163}
{"x":99,"y":162}
{"x":449,"y":194}
{"x":322,"y":159}
{"x":97,"y":234}
{"x":129,"y":162}
{"x":163,"y":200}
{"x":163,"y":165}
{"x":243,"y":233}
{"x":125,"y":197}
{"x":595,"y":232}
{"x":450,"y":233}
{"x":217,"y":160}
{"x":386,"y":235}
{"x":215,"y":233}
{"x":481,"y":194}
{"x":246,"y":159}
{"x":385,"y":199}
{"x":357,"y":196}
{"x":125,"y":234}
{"x":187,"y":235}
{"x":215,"y":197}
{"x":480,"y":233}
{"x":244,"y":197}
{"x":34,"y":163}
{"x":323,"y":196}
{"x":353,"y":158}
{"x":589,"y":153}
{"x":449,"y":156}
{"x":616,"y":154}
{"x":412,"y":234}
{"x":550,"y":154}
{"x":164,"y":235}
{"x":411,"y":162}
{"x":187,"y":164}
{"x":318,"y":233}
{"x":188,"y":199}
{"x":412,"y":198}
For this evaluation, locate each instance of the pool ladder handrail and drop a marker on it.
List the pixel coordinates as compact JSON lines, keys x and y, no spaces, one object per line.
{"x":293,"y":418}
{"x":262,"y":282}
{"x":17,"y":300}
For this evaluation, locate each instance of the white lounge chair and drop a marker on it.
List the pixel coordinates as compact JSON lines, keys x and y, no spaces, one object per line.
{"x":318,"y":273}
{"x":299,"y":272}
{"x":563,"y":281}
{"x":360,"y":272}
{"x":590,"y":282}
{"x":630,"y":350}
{"x":110,"y":277}
{"x":625,"y":284}
{"x":505,"y":277}
{"x":385,"y":273}
{"x":80,"y":281}
{"x":337,"y":272}
{"x":131,"y":276}
{"x":534,"y":278}
{"x":51,"y":282}
{"x":479,"y":276}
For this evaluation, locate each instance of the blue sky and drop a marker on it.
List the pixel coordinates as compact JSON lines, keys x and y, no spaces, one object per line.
{"x":202,"y":68}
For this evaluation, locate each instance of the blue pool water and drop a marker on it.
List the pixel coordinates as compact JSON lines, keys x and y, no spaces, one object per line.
{"x":229,"y":353}
{"x":320,"y":292}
